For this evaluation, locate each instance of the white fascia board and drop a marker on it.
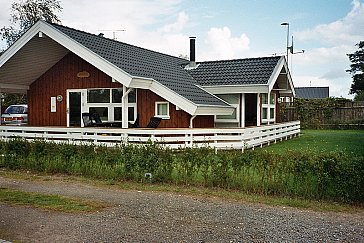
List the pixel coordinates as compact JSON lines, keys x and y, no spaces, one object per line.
{"x":178,"y":100}
{"x":277,"y":70}
{"x":86,"y":54}
{"x":14,"y":86}
{"x":237,"y":89}
{"x":214,"y":110}
{"x":164,"y":92}
{"x":17,"y":45}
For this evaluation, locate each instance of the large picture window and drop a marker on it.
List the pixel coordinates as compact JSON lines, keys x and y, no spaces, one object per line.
{"x":108,"y":103}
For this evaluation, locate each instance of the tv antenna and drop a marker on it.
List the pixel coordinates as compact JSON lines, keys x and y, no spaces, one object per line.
{"x":114,"y":32}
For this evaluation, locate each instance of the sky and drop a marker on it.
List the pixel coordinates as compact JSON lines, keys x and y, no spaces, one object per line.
{"x":327,"y":30}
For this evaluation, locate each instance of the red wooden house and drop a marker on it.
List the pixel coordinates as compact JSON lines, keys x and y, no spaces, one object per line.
{"x":67,"y":72}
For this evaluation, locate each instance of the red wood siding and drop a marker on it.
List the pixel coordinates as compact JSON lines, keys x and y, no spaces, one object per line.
{"x":56,"y":81}
{"x":178,"y":118}
{"x":63,"y":76}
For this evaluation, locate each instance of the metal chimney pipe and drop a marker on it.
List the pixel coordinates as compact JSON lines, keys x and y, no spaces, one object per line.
{"x":192,"y":49}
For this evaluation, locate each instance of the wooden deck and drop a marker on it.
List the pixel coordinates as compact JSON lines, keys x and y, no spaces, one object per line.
{"x":218,"y":138}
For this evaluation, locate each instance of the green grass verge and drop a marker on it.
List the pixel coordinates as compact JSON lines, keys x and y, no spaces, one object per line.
{"x":48,"y":202}
{"x":211,"y":193}
{"x":348,"y":141}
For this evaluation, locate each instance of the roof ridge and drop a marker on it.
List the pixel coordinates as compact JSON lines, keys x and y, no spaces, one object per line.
{"x":241,"y":59}
{"x":116,"y":41}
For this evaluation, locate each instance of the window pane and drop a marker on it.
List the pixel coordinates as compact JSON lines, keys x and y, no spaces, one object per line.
{"x":264,"y":115}
{"x":162,"y":109}
{"x":98,"y":96}
{"x":272,"y":98}
{"x":271,"y":113}
{"x":230,"y":98}
{"x":117,"y":114}
{"x":131,"y":113}
{"x":264,"y":98}
{"x":232,"y":116}
{"x":132,"y":97}
{"x":102,"y":111}
{"x":117,"y":95}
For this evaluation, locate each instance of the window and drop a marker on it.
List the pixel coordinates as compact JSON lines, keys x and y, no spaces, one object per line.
{"x":98,"y":96}
{"x":162,"y":109}
{"x":108,"y":103}
{"x":268,"y":107}
{"x":265,"y":113}
{"x":234,"y":101}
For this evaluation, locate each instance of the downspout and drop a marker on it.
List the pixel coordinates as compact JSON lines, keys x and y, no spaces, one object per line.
{"x":191,"y":121}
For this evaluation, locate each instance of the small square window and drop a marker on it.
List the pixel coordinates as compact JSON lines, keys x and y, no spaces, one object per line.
{"x":162,"y":109}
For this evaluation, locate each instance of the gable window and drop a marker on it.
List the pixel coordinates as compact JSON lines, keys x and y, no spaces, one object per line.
{"x":162,"y":109}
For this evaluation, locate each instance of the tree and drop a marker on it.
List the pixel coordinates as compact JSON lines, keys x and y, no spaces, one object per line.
{"x":357,"y":69}
{"x":25,"y":13}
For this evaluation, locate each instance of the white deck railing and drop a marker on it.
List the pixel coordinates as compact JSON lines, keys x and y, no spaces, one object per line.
{"x":218,"y":138}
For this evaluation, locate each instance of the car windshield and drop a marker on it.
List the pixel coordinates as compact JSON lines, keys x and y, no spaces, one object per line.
{"x":15,"y":110}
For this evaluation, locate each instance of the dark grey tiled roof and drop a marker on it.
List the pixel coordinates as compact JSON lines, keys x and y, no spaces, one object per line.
{"x":312,"y":92}
{"x":235,"y":72}
{"x":140,"y":62}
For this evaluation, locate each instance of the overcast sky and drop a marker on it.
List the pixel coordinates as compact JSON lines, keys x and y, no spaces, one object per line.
{"x":326,"y":29}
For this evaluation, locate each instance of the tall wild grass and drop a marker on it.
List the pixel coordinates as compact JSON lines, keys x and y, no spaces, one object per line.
{"x":332,"y":175}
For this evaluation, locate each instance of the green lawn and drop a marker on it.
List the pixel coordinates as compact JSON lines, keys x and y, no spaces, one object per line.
{"x":349,"y":141}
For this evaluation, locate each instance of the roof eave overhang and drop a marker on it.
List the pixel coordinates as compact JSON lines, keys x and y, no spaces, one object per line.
{"x":178,"y":100}
{"x":70,"y":44}
{"x":86,"y":54}
{"x":236,"y":89}
{"x":277,"y":70}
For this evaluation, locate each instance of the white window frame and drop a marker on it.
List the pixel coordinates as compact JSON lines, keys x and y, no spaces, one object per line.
{"x":157,"y":103}
{"x":236,"y":120}
{"x":268,"y":107}
{"x":109,"y":105}
{"x":237,"y":113}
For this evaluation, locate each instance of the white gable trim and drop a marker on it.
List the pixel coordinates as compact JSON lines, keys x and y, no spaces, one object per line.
{"x":86,"y":54}
{"x":277,"y":70}
{"x":70,"y":44}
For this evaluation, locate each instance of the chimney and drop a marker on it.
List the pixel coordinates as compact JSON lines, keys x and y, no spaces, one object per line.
{"x":192,"y":49}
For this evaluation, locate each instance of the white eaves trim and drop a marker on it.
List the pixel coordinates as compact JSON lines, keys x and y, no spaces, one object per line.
{"x":237,"y":89}
{"x":14,"y":87}
{"x":277,"y":70}
{"x":16,"y":46}
{"x":86,"y":54}
{"x":178,"y":100}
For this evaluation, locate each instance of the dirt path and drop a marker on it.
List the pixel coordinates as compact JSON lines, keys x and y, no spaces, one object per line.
{"x":166,"y":217}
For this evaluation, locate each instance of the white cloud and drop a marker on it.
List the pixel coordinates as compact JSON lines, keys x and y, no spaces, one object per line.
{"x":222,"y":45}
{"x":178,"y":26}
{"x":342,"y":31}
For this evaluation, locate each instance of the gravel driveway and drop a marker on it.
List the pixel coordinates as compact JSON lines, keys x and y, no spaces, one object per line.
{"x":136,"y":216}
